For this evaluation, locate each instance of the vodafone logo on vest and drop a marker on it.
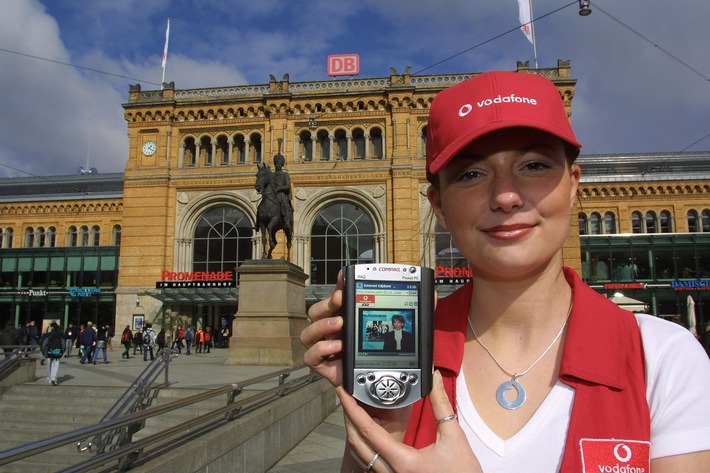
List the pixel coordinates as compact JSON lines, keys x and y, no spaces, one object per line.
{"x":615,"y":456}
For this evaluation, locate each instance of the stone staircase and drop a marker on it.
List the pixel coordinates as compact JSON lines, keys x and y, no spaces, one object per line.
{"x":31,"y":412}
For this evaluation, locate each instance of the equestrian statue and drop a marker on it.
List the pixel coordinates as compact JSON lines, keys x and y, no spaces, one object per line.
{"x":275,"y":211}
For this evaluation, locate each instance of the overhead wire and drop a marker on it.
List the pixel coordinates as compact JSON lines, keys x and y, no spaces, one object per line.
{"x":516,"y":28}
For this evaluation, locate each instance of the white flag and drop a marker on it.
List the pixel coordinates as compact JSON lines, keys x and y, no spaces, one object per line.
{"x":165,"y":50}
{"x":525,"y":19}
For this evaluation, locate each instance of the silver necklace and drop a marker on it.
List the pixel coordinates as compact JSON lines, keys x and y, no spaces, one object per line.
{"x":513,"y":383}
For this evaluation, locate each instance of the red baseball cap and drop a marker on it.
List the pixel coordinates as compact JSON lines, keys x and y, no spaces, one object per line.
{"x":488,"y":102}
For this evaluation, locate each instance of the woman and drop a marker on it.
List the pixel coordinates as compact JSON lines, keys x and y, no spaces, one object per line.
{"x":535,"y":370}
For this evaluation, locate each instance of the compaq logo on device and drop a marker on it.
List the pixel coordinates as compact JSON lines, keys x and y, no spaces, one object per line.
{"x":512,"y":98}
{"x":387,"y":268}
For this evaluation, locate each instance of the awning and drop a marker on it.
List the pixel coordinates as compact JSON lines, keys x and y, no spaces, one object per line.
{"x":196,"y":295}
{"x":628,"y":303}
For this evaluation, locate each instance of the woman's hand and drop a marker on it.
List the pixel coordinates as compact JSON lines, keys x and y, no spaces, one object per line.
{"x":367,"y":438}
{"x":323,"y":337}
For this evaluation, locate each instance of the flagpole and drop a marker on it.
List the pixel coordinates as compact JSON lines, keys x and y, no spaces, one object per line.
{"x":165,"y":52}
{"x":532,"y":33}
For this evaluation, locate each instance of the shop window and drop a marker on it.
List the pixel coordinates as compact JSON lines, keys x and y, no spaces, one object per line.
{"x":342,"y":234}
{"x":447,"y":255}
{"x":222,"y":240}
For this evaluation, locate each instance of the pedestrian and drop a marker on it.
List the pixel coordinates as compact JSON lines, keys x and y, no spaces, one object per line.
{"x":148,"y":341}
{"x":110,"y":333}
{"x":126,"y":340}
{"x":87,"y":339}
{"x":160,"y":340}
{"x":199,"y":340}
{"x":101,"y":342}
{"x":52,"y":348}
{"x":534,"y":370}
{"x":177,"y":339}
{"x":137,"y":341}
{"x":78,"y":341}
{"x":32,"y":335}
{"x":189,"y":336}
{"x":70,"y":336}
{"x":9,"y":338}
{"x":208,"y":339}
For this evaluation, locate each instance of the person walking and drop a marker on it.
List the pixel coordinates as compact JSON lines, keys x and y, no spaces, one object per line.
{"x":9,"y":337}
{"x":70,"y":336}
{"x":189,"y":336}
{"x":207,"y":339}
{"x":87,"y":339}
{"x":101,"y":342}
{"x":160,"y":340}
{"x":126,"y":340}
{"x":199,"y":340}
{"x":52,"y":348}
{"x":148,"y":341}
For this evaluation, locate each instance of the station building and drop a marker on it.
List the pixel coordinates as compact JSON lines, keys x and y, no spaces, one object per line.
{"x":163,"y":241}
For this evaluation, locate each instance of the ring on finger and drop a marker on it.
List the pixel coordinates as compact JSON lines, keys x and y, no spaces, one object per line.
{"x":446,"y":419}
{"x":372,"y":462}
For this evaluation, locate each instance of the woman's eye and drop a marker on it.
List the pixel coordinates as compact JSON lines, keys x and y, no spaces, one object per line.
{"x":536,"y":166}
{"x":469,"y":176}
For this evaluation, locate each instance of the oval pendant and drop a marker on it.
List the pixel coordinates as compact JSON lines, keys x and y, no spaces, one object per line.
{"x":503,"y":388}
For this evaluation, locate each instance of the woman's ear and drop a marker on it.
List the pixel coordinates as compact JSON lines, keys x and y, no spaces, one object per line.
{"x":435,"y":201}
{"x":575,"y":176}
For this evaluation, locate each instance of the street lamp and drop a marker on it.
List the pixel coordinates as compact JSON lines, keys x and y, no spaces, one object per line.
{"x":584,"y":9}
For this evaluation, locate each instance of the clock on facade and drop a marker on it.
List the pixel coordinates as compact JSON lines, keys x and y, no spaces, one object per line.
{"x":149,"y":148}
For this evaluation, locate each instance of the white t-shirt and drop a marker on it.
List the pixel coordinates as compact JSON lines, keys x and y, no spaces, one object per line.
{"x":677,"y":383}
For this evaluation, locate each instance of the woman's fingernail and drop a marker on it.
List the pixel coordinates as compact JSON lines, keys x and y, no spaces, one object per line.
{"x":438,"y":379}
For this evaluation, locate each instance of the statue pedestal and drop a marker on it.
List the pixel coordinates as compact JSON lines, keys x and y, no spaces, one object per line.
{"x":271,"y":314}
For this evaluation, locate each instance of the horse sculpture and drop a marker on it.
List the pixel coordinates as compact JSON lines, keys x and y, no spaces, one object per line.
{"x":268,"y":214}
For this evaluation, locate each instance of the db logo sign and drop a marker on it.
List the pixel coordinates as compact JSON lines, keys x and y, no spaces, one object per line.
{"x":615,"y":456}
{"x":343,"y":64}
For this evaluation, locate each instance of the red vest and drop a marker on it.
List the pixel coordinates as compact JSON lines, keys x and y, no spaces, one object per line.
{"x":603,"y":361}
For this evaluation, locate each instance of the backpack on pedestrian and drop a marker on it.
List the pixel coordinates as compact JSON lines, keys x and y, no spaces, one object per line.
{"x":146,"y":338}
{"x":55,"y":345}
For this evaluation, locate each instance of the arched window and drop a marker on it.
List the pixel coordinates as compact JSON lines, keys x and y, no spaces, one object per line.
{"x":425,"y":130}
{"x":190,"y":152}
{"x":323,"y":145}
{"x":256,"y":148}
{"x":40,"y":237}
{"x":2,"y":238}
{"x":595,"y":224}
{"x":9,"y":238}
{"x":305,"y":150}
{"x":29,"y":237}
{"x":609,"y":223}
{"x":341,"y":144}
{"x":651,"y":222}
{"x":51,"y":237}
{"x":583,"y":224}
{"x":222,"y":240}
{"x":705,"y":220}
{"x":223,"y":150}
{"x":666,"y":222}
{"x":636,"y":222}
{"x":359,"y":140}
{"x":73,"y":236}
{"x":341,"y":234}
{"x":84,"y":236}
{"x":692,"y":221}
{"x":95,"y":238}
{"x":240,"y":148}
{"x":376,"y":143}
{"x":206,"y":151}
{"x":116,"y":235}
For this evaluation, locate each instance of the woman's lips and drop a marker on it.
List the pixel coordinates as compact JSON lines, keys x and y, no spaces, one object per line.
{"x":509,"y":232}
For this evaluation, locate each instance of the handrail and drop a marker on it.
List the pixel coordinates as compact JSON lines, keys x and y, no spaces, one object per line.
{"x":129,"y":451}
{"x":10,"y":361}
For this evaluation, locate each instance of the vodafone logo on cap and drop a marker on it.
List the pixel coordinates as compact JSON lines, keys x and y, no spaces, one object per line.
{"x":500,"y":99}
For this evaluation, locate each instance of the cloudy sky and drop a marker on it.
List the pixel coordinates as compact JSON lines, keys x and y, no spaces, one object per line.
{"x":642,"y":65}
